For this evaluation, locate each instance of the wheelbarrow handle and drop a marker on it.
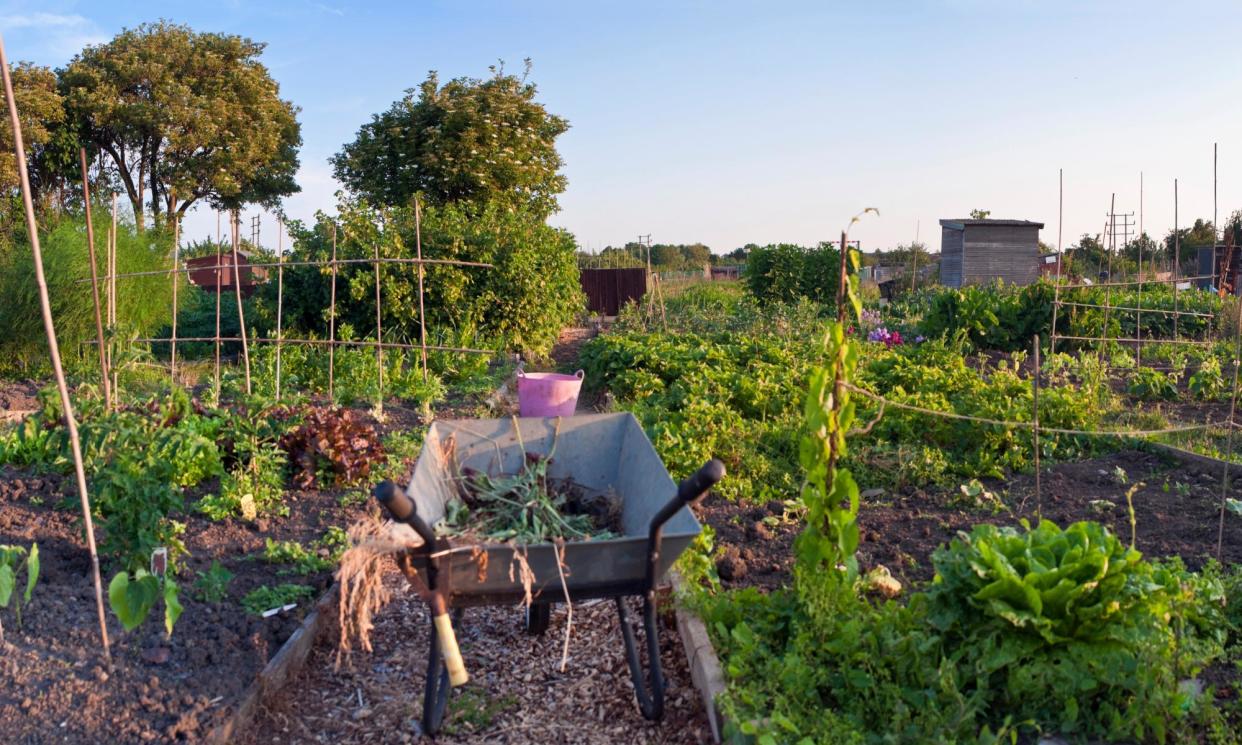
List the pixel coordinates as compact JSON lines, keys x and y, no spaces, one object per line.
{"x":401,"y":508}
{"x":688,"y":491}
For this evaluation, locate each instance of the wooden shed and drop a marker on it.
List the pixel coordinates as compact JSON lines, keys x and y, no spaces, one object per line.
{"x":203,"y":272}
{"x":982,"y":251}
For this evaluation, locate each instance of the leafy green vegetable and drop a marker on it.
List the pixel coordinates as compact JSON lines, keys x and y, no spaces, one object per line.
{"x":266,"y":598}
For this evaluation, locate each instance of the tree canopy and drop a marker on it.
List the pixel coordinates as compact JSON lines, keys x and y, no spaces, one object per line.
{"x":469,"y":140}
{"x":186,"y":115}
{"x":41,"y":114}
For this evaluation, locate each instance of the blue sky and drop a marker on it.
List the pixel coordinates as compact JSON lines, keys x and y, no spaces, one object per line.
{"x":738,"y":122}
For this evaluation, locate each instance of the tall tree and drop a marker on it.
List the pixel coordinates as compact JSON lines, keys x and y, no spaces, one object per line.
{"x":190,"y":116}
{"x":469,"y":140}
{"x":980,"y":214}
{"x":41,"y":113}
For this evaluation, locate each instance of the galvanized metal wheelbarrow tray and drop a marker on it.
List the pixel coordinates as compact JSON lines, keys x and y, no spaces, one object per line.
{"x":600,"y":452}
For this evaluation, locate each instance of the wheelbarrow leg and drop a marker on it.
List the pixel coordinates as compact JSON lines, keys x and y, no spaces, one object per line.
{"x":538,"y":616}
{"x":436,"y":694}
{"x":650,"y":701}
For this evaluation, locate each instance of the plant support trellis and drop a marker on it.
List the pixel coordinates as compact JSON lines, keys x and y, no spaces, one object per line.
{"x":279,"y":340}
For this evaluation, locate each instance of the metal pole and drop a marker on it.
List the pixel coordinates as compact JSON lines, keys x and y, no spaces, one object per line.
{"x":280,"y":296}
{"x":90,"y":243}
{"x":332,"y":326}
{"x":241,"y":313}
{"x":422,"y":314}
{"x":49,"y":328}
{"x":219,"y":259}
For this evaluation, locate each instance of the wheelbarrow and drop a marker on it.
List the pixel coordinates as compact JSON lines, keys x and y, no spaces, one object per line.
{"x":600,"y":452}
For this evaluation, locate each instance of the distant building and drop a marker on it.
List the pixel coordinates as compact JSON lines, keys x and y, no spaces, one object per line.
{"x":203,"y":272}
{"x":1212,"y":268}
{"x":982,"y":251}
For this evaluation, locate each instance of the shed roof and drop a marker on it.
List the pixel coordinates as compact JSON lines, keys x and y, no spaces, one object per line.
{"x":963,"y":222}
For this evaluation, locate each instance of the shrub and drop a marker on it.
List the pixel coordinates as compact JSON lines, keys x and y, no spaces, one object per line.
{"x":143,"y":303}
{"x":531,"y":292}
{"x":786,"y":272}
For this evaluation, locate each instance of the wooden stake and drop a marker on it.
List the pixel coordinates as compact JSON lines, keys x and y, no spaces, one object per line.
{"x":219,"y":259}
{"x":90,"y":243}
{"x":379,"y":334}
{"x":172,"y":360}
{"x":49,"y":328}
{"x":1056,"y":288}
{"x":280,"y":297}
{"x":332,"y":326}
{"x":1039,"y":499}
{"x":422,"y":316}
{"x":241,"y":313}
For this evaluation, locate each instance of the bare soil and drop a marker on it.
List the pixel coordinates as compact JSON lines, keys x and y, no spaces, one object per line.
{"x":901,"y":531}
{"x":56,"y":686}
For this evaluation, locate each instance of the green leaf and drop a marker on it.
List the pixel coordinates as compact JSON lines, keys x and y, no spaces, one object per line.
{"x":131,"y":601}
{"x":7,"y":582}
{"x":32,"y":570}
{"x":172,"y":605}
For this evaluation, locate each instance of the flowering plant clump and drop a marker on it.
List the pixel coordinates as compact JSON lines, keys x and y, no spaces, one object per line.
{"x":890,"y":338}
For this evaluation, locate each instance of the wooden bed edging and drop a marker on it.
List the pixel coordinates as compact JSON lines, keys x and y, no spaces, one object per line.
{"x":705,"y":670}
{"x":286,"y":664}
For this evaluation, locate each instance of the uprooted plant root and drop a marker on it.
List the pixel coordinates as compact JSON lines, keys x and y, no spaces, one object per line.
{"x":360,"y":577}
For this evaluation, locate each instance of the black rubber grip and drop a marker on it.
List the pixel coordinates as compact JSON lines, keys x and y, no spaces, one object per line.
{"x":703,"y":479}
{"x":401,"y":508}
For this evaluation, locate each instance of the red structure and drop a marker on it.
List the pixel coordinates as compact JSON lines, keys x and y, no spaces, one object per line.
{"x":203,"y":273}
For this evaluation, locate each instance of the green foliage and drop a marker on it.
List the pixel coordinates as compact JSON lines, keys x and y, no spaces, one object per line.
{"x":785,"y":272}
{"x":322,"y":556}
{"x":523,"y":508}
{"x":1045,"y":630}
{"x":41,"y":113}
{"x":829,"y":493}
{"x":1147,"y":384}
{"x":14,"y":560}
{"x":530,"y":292}
{"x":472,"y":141}
{"x":213,"y":584}
{"x":200,"y":108}
{"x":266,"y":598}
{"x":250,"y":488}
{"x":934,"y":376}
{"x":1006,"y":317}
{"x":132,"y":598}
{"x":143,"y":303}
{"x":1208,"y":382}
{"x":993,"y":316}
{"x":1067,"y":628}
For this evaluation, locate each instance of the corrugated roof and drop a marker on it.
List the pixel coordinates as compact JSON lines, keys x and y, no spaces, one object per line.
{"x":959,"y":223}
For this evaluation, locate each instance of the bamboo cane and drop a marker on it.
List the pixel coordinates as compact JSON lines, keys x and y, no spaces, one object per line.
{"x":90,"y":243}
{"x":49,"y":328}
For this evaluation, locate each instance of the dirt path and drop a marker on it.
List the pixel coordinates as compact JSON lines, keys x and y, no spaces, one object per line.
{"x":517,"y":693}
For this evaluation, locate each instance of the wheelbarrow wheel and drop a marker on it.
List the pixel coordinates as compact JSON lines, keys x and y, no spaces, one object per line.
{"x":538,"y":616}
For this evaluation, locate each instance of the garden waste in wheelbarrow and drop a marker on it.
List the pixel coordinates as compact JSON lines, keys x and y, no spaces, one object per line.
{"x":599,"y":452}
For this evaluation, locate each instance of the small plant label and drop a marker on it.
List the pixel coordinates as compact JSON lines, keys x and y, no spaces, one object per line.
{"x":159,"y":561}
